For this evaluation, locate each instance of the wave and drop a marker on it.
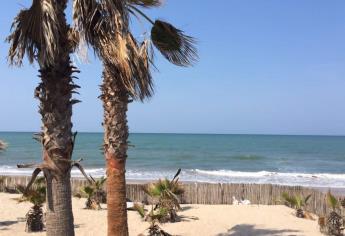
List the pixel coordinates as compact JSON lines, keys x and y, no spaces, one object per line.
{"x":230,"y":173}
{"x":282,"y":178}
{"x":247,"y":157}
{"x":214,"y":176}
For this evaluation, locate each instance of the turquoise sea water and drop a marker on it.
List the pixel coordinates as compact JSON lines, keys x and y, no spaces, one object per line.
{"x":293,"y":160}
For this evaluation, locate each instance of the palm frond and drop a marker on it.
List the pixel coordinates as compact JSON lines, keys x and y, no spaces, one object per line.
{"x":88,"y":190}
{"x":307,"y":199}
{"x":36,"y":194}
{"x":35,"y":32}
{"x":289,"y":200}
{"x":130,"y":63}
{"x":174,"y":45}
{"x":118,"y":49}
{"x":146,"y":3}
{"x":332,"y":200}
{"x":177,"y":174}
{"x":140,"y":209}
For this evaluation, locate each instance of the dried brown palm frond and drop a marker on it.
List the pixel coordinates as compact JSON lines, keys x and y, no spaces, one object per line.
{"x":130,"y":64}
{"x":140,"y":59}
{"x":35,"y":31}
{"x":73,"y":39}
{"x":119,"y":50}
{"x":95,"y":19}
{"x":146,"y":3}
{"x":174,"y":45}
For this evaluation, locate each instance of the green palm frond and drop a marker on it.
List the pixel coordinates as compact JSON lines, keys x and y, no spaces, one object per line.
{"x":95,"y":186}
{"x":306,"y":199}
{"x":174,"y":45}
{"x":36,"y":194}
{"x":35,"y":32}
{"x":296,"y":201}
{"x":158,"y":214}
{"x":332,"y":200}
{"x":299,"y":201}
{"x":98,"y":184}
{"x":88,"y":190}
{"x":166,"y":192}
{"x":290,"y":200}
{"x":140,"y":209}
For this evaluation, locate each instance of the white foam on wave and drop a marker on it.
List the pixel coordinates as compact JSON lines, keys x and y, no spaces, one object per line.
{"x":214,"y":176}
{"x":229,"y":173}
{"x":303,"y":179}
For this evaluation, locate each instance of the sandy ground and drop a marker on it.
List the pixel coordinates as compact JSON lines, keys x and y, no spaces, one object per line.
{"x":199,"y":220}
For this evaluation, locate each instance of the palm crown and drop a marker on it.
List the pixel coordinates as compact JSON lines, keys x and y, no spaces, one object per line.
{"x":104,"y":26}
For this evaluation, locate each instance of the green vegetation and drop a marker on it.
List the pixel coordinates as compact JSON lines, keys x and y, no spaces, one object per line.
{"x":297,"y":202}
{"x":334,"y":222}
{"x":37,"y":196}
{"x":166,"y":193}
{"x":94,"y":193}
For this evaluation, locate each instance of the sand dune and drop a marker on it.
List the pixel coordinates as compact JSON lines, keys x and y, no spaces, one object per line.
{"x":199,"y":220}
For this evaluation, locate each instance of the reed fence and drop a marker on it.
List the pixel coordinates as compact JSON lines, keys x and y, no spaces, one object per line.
{"x":207,"y":193}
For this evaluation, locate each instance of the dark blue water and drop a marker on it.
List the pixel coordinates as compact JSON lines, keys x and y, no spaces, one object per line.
{"x":296,"y":160}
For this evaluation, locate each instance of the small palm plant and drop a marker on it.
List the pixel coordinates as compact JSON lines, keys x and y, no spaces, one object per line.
{"x":334,"y":222}
{"x":298,"y":202}
{"x":155,"y":230}
{"x":37,"y":196}
{"x":154,"y":217}
{"x":2,"y":183}
{"x":95,"y":193}
{"x":166,"y":193}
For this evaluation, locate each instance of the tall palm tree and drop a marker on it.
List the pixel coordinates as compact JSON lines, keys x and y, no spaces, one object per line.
{"x":126,"y":76}
{"x":42,"y":33}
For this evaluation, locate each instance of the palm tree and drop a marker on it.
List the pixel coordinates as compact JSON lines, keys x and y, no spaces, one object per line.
{"x":334,"y":221}
{"x":94,"y":193}
{"x":166,"y":192}
{"x":37,"y":196}
{"x":298,"y":202}
{"x":126,"y":77}
{"x":42,"y":33}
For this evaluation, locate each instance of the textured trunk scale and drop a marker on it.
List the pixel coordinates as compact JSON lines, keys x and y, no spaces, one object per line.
{"x":55,"y":96}
{"x":115,"y":103}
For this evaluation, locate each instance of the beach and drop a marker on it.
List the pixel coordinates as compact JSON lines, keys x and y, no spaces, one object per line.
{"x":218,"y":220}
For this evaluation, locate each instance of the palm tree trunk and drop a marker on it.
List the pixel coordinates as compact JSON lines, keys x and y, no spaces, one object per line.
{"x":59,"y":217}
{"x":115,"y":103}
{"x":55,"y":93}
{"x":55,"y":96}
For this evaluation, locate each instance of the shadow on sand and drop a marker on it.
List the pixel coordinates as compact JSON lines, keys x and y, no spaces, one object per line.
{"x":7,"y":223}
{"x":246,"y":230}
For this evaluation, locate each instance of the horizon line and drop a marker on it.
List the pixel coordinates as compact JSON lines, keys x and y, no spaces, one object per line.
{"x":196,"y":133}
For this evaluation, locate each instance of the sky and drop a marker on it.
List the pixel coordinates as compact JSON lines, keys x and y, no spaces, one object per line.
{"x":265,"y":67}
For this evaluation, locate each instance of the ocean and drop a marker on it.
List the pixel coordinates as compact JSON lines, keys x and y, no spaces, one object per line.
{"x":315,"y":161}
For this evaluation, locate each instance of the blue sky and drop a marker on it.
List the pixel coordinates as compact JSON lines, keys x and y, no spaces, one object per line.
{"x":266,"y":67}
